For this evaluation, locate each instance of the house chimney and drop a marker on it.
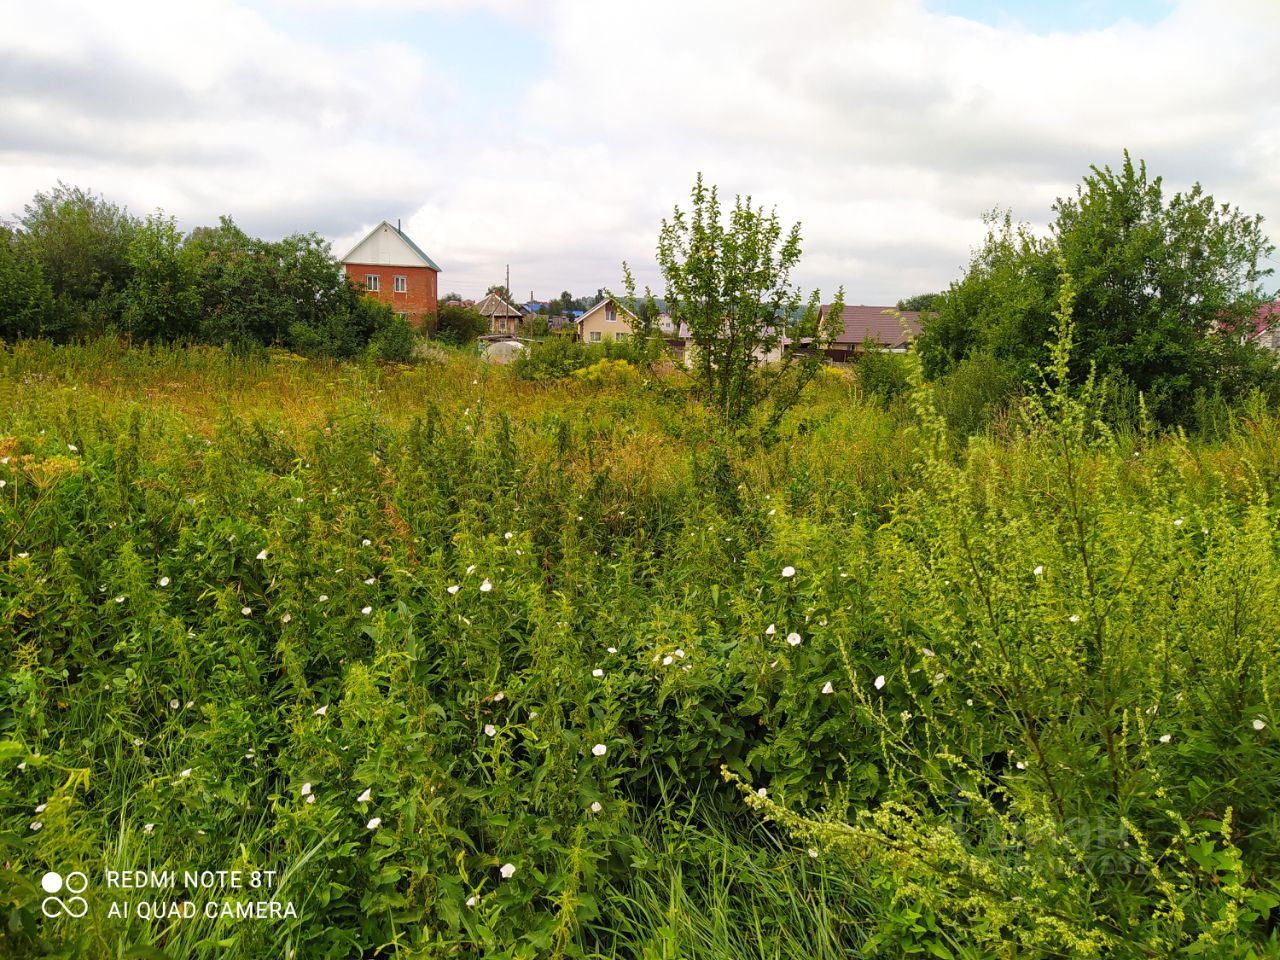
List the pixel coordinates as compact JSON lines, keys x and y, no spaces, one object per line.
{"x":398,"y":230}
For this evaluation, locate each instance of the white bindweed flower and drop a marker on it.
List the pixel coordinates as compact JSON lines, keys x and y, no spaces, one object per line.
{"x":813,"y":852}
{"x":1178,"y":522}
{"x":370,"y":581}
{"x":668,"y":660}
{"x":1074,"y":618}
{"x":926,"y":652}
{"x":36,"y":824}
{"x":508,"y":870}
{"x":320,"y":711}
{"x":286,"y":618}
{"x":762,"y":792}
{"x":599,"y":750}
{"x":175,"y":703}
{"x":262,"y":554}
{"x":453,"y":589}
{"x":486,"y":586}
{"x":324,"y":598}
{"x":680,"y":654}
{"x":472,"y":900}
{"x":311,"y":798}
{"x":120,"y":599}
{"x":148,"y":828}
{"x":471,"y":569}
{"x":365,"y":542}
{"x":499,"y":696}
{"x":828,"y":688}
{"x":73,"y":448}
{"x":366,"y":610}
{"x":1038,"y":570}
{"x":41,"y":808}
{"x":374,"y":824}
{"x":880,"y":682}
{"x":1020,"y":765}
{"x":246,"y":610}
{"x":306,"y":788}
{"x":770,"y":630}
{"x":1259,"y":724}
{"x":137,"y":741}
{"x":186,"y":772}
{"x":793,"y":639}
{"x":490,"y":730}
{"x":366,"y":796}
{"x":508,"y":535}
{"x":1166,"y":738}
{"x":164,"y":581}
{"x":597,"y":672}
{"x":595,"y":806}
{"x":788,"y":572}
{"x":612,"y":649}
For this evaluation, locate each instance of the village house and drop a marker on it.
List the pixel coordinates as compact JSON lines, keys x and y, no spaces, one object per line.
{"x":504,"y":319}
{"x":861,"y":325}
{"x":607,"y":320}
{"x":394,"y":270}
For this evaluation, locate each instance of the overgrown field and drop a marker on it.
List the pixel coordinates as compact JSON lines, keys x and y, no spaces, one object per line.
{"x":488,"y":668}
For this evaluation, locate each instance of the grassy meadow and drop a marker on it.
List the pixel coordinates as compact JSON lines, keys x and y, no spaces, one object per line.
{"x":482,"y":667}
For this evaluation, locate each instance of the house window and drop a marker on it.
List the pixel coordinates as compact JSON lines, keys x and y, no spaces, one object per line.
{"x":402,"y":284}
{"x":595,"y":336}
{"x":611,"y":314}
{"x":619,"y":337}
{"x":371,"y":282}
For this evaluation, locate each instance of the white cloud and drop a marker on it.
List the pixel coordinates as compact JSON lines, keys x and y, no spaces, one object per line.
{"x":886,"y":129}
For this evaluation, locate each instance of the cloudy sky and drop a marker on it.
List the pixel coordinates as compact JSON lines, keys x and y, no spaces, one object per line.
{"x":554,"y":135}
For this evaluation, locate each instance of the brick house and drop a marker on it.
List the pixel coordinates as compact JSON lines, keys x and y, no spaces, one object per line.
{"x":393,"y":269}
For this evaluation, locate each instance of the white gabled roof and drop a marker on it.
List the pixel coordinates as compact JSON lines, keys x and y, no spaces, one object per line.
{"x":387,"y":246}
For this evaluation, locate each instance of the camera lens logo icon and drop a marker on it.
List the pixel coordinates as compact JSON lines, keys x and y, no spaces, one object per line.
{"x":73,"y":906}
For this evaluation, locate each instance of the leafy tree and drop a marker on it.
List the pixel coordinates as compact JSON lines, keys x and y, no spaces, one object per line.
{"x":920,"y":303}
{"x":161,"y":299}
{"x":730,"y":282}
{"x":500,"y":289}
{"x":459,"y":325}
{"x":26,"y":301}
{"x":82,"y":243}
{"x":1161,"y":283}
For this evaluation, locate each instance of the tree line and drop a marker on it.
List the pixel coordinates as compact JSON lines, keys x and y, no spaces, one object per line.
{"x":76,"y":265}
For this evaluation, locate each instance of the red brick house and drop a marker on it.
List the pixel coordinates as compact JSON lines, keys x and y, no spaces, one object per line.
{"x":393,"y":269}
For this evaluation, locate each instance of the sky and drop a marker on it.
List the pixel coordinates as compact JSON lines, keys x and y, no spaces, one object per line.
{"x":553,"y":136}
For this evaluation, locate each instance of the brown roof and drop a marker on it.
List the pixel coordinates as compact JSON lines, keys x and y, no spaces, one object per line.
{"x":494,"y":306}
{"x":862,"y":323}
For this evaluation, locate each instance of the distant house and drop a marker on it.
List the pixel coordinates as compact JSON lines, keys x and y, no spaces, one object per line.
{"x":861,"y":325}
{"x":607,"y":320}
{"x":394,"y":269}
{"x":503,"y":317}
{"x":1263,"y":328}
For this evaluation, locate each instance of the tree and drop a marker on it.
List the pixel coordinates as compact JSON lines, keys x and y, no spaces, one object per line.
{"x":26,"y":301}
{"x":920,"y":303}
{"x":1159,"y":284}
{"x":459,"y":325}
{"x":730,"y":283}
{"x":161,"y":299}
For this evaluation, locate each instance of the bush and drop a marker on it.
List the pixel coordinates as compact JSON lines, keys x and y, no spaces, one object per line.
{"x":975,"y":393}
{"x":459,"y":325}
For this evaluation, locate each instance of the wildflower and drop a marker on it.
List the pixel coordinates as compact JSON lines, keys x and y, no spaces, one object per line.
{"x":286,"y":618}
{"x":486,"y":586}
{"x":1020,"y":765}
{"x":813,"y":852}
{"x":120,"y":599}
{"x":969,"y":702}
{"x":1074,"y":618}
{"x":320,"y":711}
{"x":366,"y":796}
{"x":22,"y":765}
{"x":1038,"y":570}
{"x":668,"y":660}
{"x":365,"y":542}
{"x":1259,"y":724}
{"x":148,"y":828}
{"x":73,"y":448}
{"x":828,"y":688}
{"x":311,"y":798}
{"x":324,"y":597}
{"x":597,"y":672}
{"x":599,"y":750}
{"x":246,"y":610}
{"x":472,"y":900}
{"x":137,"y":741}
{"x":762,"y":792}
{"x":926,"y":652}
{"x":190,"y":704}
{"x":773,"y":511}
{"x":185,"y":773}
{"x":175,"y":703}
{"x":1178,"y":522}
{"x":906,"y":715}
{"x":508,"y":535}
{"x":793,"y":639}
{"x":680,"y":654}
{"x":370,"y":581}
{"x":499,"y":696}
{"x":36,"y":824}
{"x":453,"y":589}
{"x":374,"y":824}
{"x":880,"y":682}
{"x":306,"y":789}
{"x":612,"y":649}
{"x":490,"y":730}
{"x":262,"y":554}
{"x":366,"y":610}
{"x":164,"y":581}
{"x":23,"y":555}
{"x":770,"y":630}
{"x":595,"y":806}
{"x":471,"y":569}
{"x":939,"y":677}
{"x":41,"y":808}
{"x":1166,"y":738}
{"x":788,"y":572}
{"x":508,"y":870}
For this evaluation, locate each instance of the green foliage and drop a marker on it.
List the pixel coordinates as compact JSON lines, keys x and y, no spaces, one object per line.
{"x":921,"y":302}
{"x":978,"y":391}
{"x":26,"y":300}
{"x":1162,"y":286}
{"x":459,"y":325}
{"x":559,"y":357}
{"x":161,"y":298}
{"x":882,"y":375}
{"x":730,"y":283}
